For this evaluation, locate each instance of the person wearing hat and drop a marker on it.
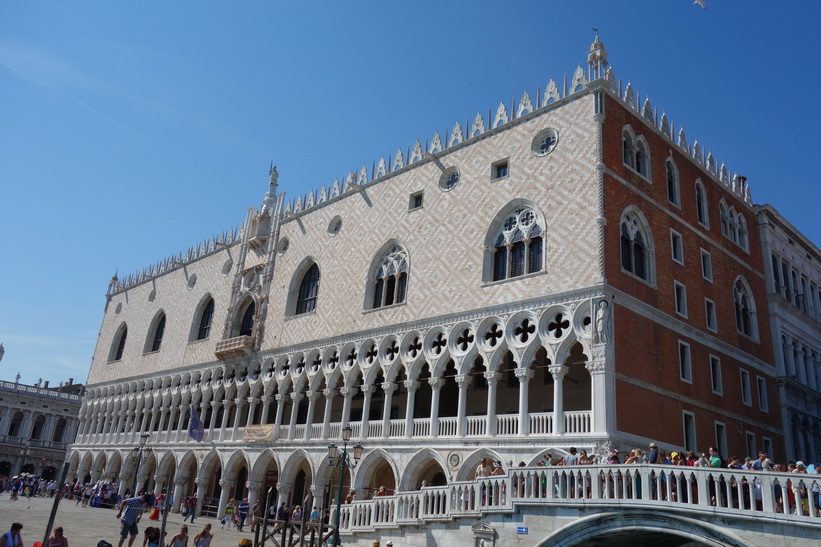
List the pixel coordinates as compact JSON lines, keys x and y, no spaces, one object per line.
{"x":497,"y":468}
{"x":653,"y":454}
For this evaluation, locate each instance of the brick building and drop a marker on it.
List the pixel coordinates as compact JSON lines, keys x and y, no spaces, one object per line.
{"x":567,"y":271}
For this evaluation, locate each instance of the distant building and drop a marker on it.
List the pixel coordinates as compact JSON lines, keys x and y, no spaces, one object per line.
{"x":794,"y":304}
{"x":37,"y":425}
{"x":567,"y":270}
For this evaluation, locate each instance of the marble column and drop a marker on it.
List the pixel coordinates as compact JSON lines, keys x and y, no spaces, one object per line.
{"x":492,"y":381}
{"x":602,"y":385}
{"x":435,"y":385}
{"x":227,"y":486}
{"x":461,"y":414}
{"x":347,"y":397}
{"x":240,"y":404}
{"x":558,"y":372}
{"x":226,"y":414}
{"x":266,"y":407}
{"x":524,"y":375}
{"x":296,"y":398}
{"x":202,"y":486}
{"x":252,"y":408}
{"x":366,"y":411}
{"x":309,"y":419}
{"x":411,"y":386}
{"x":388,"y":388}
{"x":180,"y":481}
{"x":326,"y":418}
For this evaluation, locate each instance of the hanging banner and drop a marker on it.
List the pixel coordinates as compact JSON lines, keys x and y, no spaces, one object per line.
{"x":256,"y":433}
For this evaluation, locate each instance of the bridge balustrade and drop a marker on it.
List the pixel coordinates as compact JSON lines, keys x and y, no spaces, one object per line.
{"x":731,"y":492}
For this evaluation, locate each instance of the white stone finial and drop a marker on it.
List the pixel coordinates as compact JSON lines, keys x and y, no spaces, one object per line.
{"x":501,"y":115}
{"x":551,"y":92}
{"x":525,"y":104}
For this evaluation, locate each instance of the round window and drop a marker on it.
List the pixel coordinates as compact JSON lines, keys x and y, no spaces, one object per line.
{"x":335,"y":226}
{"x":449,"y":178}
{"x":283,"y":245}
{"x":545,"y":141}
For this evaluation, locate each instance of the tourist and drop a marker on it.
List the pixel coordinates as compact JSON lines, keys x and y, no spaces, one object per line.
{"x":129,"y":514}
{"x":242,"y":513}
{"x":191,"y":509}
{"x":572,"y":459}
{"x":481,"y":469}
{"x":12,"y":537}
{"x":203,"y":539}
{"x":256,"y":514}
{"x":653,"y":454}
{"x":315,"y":514}
{"x":181,"y":539}
{"x":381,"y":491}
{"x":152,"y":537}
{"x":57,"y":538}
{"x":228,"y":516}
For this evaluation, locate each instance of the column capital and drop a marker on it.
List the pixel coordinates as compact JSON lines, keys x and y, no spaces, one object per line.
{"x":368,"y":388}
{"x":202,"y":483}
{"x":460,"y":379}
{"x":181,"y":480}
{"x":313,"y":395}
{"x":598,"y":367}
{"x":238,"y":401}
{"x":253,"y":484}
{"x":523,"y":374}
{"x":296,"y":396}
{"x":284,"y":487}
{"x":329,"y":393}
{"x":226,"y":483}
{"x":411,"y":385}
{"x":253,"y":400}
{"x":347,"y":391}
{"x":389,"y":387}
{"x":436,"y":383}
{"x":265,"y":399}
{"x":279,"y":397}
{"x":558,"y":371}
{"x":227,"y":403}
{"x":492,"y":377}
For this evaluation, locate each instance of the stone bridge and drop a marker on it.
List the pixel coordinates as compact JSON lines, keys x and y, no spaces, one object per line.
{"x":610,"y":505}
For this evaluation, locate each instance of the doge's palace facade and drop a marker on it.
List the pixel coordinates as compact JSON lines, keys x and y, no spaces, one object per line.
{"x":508,"y":288}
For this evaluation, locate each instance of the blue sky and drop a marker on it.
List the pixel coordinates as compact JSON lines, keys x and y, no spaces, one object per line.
{"x":132,"y":130}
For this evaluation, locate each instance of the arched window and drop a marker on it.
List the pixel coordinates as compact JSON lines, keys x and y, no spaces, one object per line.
{"x":636,"y":250}
{"x":390,"y":278}
{"x":741,"y":226}
{"x":628,"y":147}
{"x":59,"y":431}
{"x":672,"y":182}
{"x":118,"y":344}
{"x":308,"y":291}
{"x":155,"y":334}
{"x":38,"y":427}
{"x":15,"y":424}
{"x":642,"y":158}
{"x":725,"y":220}
{"x":246,"y":326}
{"x":204,"y":328}
{"x":744,"y":309}
{"x":518,"y":245}
{"x":701,"y":204}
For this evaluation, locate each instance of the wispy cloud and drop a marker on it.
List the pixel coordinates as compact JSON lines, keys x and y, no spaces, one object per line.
{"x":52,"y":74}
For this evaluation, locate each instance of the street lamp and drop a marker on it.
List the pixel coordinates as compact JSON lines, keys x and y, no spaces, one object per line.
{"x":342,"y":460}
{"x":137,"y":452}
{"x":23,"y":454}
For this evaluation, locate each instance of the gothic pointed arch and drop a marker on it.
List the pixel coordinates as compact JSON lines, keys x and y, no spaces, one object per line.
{"x":671,"y":175}
{"x":156,"y":331}
{"x":118,"y":343}
{"x":388,"y":276}
{"x":744,"y":306}
{"x":203,"y":319}
{"x":244,"y":318}
{"x":702,"y":214}
{"x":637,"y":250}
{"x":635,"y":151}
{"x":304,"y":288}
{"x":515,"y":242}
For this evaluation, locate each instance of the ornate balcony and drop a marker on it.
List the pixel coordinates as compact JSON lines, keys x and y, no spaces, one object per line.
{"x":237,"y":347}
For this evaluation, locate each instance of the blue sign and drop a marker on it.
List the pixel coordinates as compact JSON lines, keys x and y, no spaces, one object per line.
{"x":521,"y":530}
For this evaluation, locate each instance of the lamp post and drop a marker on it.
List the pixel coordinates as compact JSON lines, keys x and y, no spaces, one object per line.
{"x":23,"y":454}
{"x":138,"y":452}
{"x":342,"y":460}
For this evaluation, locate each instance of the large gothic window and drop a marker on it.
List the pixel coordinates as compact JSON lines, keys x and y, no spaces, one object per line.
{"x":204,"y":328}
{"x":118,"y":344}
{"x":701,"y":204}
{"x":636,"y":248}
{"x":635,"y":152}
{"x":744,"y":309}
{"x":390,"y":278}
{"x":156,"y":333}
{"x":308,"y":291}
{"x":518,"y":246}
{"x":246,"y":326}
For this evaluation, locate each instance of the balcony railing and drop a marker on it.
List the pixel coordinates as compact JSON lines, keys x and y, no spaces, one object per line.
{"x":507,"y":425}
{"x":239,"y":346}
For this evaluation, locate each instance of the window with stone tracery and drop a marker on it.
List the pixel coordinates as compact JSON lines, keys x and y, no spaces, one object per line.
{"x":308,"y":291}
{"x":636,"y":250}
{"x":518,"y":248}
{"x":118,"y":345}
{"x":390,"y":279}
{"x":635,"y":152}
{"x":744,"y":309}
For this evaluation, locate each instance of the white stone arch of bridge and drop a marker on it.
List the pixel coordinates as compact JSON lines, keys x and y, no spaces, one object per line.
{"x":376,"y":469}
{"x":592,"y":529}
{"x":423,"y":466}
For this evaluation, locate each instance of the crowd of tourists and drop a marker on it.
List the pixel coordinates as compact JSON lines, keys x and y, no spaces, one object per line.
{"x":27,"y":485}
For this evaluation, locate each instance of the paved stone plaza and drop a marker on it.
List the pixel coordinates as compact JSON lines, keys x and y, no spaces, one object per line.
{"x":84,"y":527}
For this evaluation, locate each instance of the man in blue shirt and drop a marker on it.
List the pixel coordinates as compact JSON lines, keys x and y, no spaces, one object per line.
{"x":130,"y":512}
{"x":242,"y":511}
